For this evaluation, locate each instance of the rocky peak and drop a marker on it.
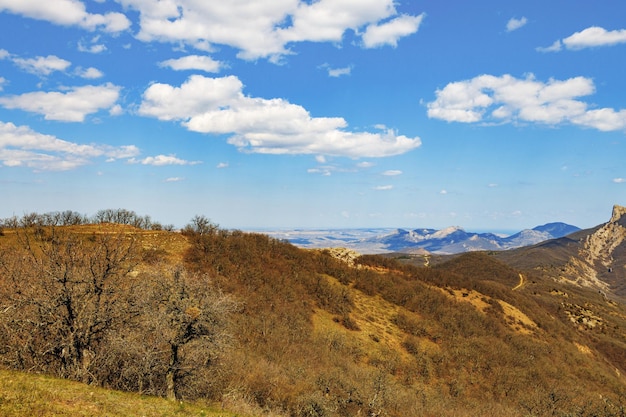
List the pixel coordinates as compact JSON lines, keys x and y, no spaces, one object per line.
{"x":619,"y":215}
{"x":601,"y":244}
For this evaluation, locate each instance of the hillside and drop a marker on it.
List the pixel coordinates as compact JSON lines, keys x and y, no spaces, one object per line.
{"x":264,"y":327}
{"x":594,"y":258}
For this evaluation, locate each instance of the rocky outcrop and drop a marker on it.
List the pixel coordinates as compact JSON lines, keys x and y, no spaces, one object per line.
{"x":597,"y":254}
{"x":343,"y":254}
{"x":600,"y":245}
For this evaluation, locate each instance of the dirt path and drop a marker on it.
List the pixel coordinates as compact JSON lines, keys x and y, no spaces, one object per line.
{"x":522,"y":281}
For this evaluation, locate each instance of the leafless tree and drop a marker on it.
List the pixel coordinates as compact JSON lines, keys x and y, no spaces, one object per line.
{"x":61,"y":293}
{"x":189,"y":319}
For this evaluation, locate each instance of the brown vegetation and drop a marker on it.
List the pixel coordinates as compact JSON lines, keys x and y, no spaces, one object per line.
{"x":258,"y":324}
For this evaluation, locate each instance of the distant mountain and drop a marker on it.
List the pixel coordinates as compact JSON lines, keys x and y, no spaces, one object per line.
{"x":450,"y":240}
{"x":453,"y":240}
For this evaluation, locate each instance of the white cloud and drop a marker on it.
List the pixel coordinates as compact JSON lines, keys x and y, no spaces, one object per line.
{"x":265,"y":29}
{"x":92,"y":49}
{"x":89,"y":73}
{"x":174,"y":179}
{"x":70,"y":106}
{"x":193,"y":62}
{"x":443,"y":192}
{"x":619,"y":180}
{"x":383,"y":187}
{"x":324,"y":171}
{"x":488,"y":98}
{"x":66,"y":13}
{"x":162,"y":160}
{"x":390,"y":32}
{"x":116,"y":110}
{"x":514,"y":24}
{"x":21,"y":146}
{"x":271,"y":126}
{"x":365,"y":164}
{"x":4,"y":54}
{"x":222,"y":165}
{"x":2,"y":82}
{"x":338,"y":72}
{"x":42,"y":65}
{"x":595,"y":36}
{"x":392,"y":173}
{"x":555,"y":47}
{"x":590,"y":37}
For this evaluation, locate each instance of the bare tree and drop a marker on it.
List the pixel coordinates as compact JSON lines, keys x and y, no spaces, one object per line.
{"x":61,"y":293}
{"x":189,"y":317}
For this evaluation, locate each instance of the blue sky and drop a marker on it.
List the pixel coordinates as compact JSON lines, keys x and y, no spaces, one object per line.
{"x":488,"y":115}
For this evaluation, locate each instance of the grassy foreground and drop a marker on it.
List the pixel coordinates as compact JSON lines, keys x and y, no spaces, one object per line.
{"x":23,"y":394}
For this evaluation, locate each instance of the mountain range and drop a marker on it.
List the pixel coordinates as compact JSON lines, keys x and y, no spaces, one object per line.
{"x":450,"y":240}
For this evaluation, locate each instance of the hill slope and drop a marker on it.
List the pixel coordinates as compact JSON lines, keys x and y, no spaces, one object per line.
{"x":326,"y":332}
{"x":593,"y":258}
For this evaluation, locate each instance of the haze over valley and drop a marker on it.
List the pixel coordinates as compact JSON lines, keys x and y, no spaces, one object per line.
{"x":450,"y":240}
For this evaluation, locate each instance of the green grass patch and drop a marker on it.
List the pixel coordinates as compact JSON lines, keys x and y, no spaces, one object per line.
{"x":23,"y":394}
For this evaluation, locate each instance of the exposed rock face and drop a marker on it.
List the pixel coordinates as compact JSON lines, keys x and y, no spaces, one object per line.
{"x":600,"y":261}
{"x":343,"y":254}
{"x":600,"y":246}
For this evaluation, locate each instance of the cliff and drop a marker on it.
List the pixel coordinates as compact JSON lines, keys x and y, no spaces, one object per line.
{"x":600,"y":259}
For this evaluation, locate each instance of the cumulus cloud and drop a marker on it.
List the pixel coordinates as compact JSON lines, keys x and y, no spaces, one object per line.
{"x":193,"y":62}
{"x":619,"y":180}
{"x":390,"y":32}
{"x":162,"y":160}
{"x":270,"y":126}
{"x":70,"y":106}
{"x":266,"y":29}
{"x":222,"y":165}
{"x":590,"y":37}
{"x":20,"y":146}
{"x":174,"y":179}
{"x":42,"y":65}
{"x":2,"y":82}
{"x":66,"y":13}
{"x":489,"y":98}
{"x":514,"y":24}
{"x":595,"y":36}
{"x":89,"y":73}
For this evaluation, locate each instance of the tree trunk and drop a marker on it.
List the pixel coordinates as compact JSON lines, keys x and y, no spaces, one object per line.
{"x":170,"y":376}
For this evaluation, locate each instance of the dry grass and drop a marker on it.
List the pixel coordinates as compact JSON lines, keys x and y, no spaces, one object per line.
{"x":513,"y":317}
{"x":375,"y":331}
